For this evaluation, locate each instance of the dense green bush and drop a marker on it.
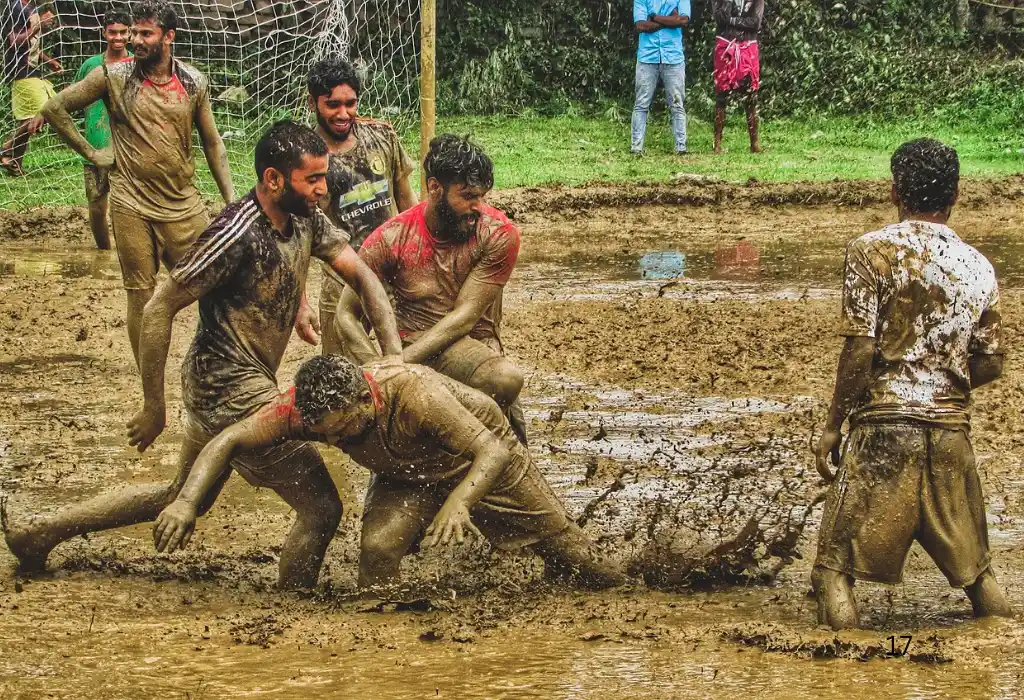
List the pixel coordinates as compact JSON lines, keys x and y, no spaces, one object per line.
{"x":885,"y":57}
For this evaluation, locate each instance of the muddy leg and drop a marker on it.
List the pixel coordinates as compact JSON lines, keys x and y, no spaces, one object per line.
{"x":721,"y":101}
{"x":317,"y":516}
{"x":32,"y":542}
{"x":837,"y":606}
{"x":987,"y":598}
{"x":13,"y":151}
{"x":752,"y":122}
{"x":137,"y":300}
{"x":98,"y":223}
{"x":571,"y":553}
{"x":387,"y":536}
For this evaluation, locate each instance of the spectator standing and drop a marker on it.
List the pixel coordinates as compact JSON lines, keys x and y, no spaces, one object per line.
{"x":29,"y":90}
{"x":660,"y":55}
{"x":737,"y":62}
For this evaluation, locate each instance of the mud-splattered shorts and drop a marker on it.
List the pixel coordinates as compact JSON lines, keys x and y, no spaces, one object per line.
{"x":143,"y":243}
{"x":97,"y":183}
{"x":898,"y":483}
{"x":518,"y":514}
{"x":288,"y":464}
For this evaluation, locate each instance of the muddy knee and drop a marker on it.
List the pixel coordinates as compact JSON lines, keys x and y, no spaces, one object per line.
{"x":499,"y":379}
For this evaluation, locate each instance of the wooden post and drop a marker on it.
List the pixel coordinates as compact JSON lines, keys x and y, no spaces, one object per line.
{"x":428,"y":119}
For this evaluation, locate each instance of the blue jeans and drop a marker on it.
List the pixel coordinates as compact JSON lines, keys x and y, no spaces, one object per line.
{"x":673,"y":76}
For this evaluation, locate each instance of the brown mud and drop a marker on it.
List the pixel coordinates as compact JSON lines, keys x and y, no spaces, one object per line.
{"x":679,"y":361}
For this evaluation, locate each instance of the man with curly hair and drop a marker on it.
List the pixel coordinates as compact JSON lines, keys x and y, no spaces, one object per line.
{"x":445,"y":465}
{"x":922,"y":327}
{"x":447,"y":261}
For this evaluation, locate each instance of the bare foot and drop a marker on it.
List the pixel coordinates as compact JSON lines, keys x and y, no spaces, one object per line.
{"x":717,"y":150}
{"x":12,"y":166}
{"x":31,"y":553}
{"x":756,"y":148}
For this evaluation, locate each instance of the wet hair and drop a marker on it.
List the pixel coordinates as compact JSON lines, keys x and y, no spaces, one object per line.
{"x":283,"y":146}
{"x":116,"y":16}
{"x":455,"y":159}
{"x":926,"y":173}
{"x":162,"y":14}
{"x":326,"y":383}
{"x":328,"y":73}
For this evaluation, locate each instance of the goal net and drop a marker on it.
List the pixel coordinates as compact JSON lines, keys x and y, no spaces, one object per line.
{"x":256,"y":54}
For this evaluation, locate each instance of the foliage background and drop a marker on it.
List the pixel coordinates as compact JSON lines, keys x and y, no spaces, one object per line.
{"x":889,"y":58}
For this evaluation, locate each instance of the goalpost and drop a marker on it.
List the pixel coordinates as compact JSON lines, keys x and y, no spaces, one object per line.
{"x":256,"y":54}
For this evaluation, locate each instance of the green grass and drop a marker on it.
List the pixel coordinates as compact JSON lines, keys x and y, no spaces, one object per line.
{"x":533,"y":150}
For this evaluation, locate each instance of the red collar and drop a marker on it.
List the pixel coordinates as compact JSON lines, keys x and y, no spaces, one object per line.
{"x":378,"y":399}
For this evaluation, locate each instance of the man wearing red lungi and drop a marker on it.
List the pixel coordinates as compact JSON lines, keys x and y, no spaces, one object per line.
{"x":737,"y":62}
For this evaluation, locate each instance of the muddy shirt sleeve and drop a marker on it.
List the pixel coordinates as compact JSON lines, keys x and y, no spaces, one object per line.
{"x":499,"y":256}
{"x":378,"y":254}
{"x":436,"y":416}
{"x":213,"y":259}
{"x":860,"y":293}
{"x":987,"y":339}
{"x":328,"y":239}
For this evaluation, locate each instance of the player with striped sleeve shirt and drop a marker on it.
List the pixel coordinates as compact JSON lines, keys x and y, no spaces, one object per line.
{"x":248,"y":272}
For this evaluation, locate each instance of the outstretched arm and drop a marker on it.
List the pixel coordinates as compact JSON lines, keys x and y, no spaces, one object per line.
{"x":213,"y":148}
{"x":852,"y":378}
{"x":474,"y":299}
{"x":364,"y":283}
{"x":350,"y":329}
{"x":176,"y":523}
{"x":154,"y":342}
{"x":57,"y":111}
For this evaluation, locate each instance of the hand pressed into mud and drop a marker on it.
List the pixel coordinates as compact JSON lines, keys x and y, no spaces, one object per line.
{"x":451,"y":525}
{"x":146,"y":426}
{"x":307,"y":324}
{"x":174,"y":526}
{"x":828,"y":448}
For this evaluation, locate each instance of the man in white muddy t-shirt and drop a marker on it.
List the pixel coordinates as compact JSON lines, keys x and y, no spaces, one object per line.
{"x":920,"y":314}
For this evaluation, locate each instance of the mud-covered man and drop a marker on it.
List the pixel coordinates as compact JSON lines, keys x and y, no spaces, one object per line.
{"x":247,"y":271}
{"x":445,"y":461}
{"x":921,"y":321}
{"x":116,"y":29}
{"x":737,"y":63}
{"x":368,"y":179}
{"x":153,"y":102}
{"x":447,"y":261}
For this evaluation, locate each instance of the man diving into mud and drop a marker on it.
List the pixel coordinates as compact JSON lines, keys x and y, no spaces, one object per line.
{"x":447,"y":260}
{"x":922,"y":326}
{"x":248,"y":273}
{"x":445,"y":465}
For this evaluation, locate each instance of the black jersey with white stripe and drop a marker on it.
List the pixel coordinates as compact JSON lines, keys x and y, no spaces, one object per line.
{"x":249,"y":280}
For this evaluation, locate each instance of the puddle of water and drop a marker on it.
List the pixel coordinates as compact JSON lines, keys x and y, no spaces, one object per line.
{"x":94,"y":264}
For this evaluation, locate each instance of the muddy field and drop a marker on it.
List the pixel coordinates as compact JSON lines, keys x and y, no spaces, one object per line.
{"x":680,"y":349}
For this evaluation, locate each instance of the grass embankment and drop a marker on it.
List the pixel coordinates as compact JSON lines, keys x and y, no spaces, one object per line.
{"x":572,"y":150}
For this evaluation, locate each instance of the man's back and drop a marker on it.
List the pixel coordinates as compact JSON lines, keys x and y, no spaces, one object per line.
{"x":930,"y":301}
{"x":426,"y":422}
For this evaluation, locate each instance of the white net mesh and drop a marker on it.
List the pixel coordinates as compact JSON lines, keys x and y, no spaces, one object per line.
{"x":256,"y":54}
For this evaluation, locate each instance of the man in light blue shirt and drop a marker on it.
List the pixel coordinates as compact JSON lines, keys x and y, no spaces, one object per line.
{"x":660,"y":54}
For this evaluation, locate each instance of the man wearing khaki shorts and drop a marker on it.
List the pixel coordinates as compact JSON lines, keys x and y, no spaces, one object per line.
{"x":922,"y":326}
{"x":154,"y":102}
{"x":447,"y":260}
{"x":445,"y":465}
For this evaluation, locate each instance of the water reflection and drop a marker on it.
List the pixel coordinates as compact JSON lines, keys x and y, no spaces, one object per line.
{"x":94,"y":264}
{"x":662,"y":265}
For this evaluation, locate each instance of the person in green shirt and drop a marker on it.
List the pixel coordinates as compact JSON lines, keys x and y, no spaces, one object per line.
{"x":116,"y":28}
